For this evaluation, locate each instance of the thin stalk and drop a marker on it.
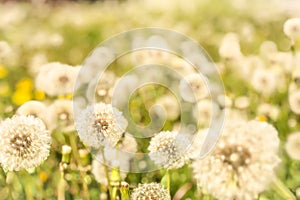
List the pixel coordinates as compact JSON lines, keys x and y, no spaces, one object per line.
{"x":61,"y":185}
{"x":169,"y":181}
{"x":107,"y":174}
{"x":85,"y":186}
{"x":9,"y":189}
{"x":73,"y":144}
{"x":282,"y":190}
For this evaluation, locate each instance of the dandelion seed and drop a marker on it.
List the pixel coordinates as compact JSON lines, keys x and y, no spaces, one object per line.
{"x":24,"y":142}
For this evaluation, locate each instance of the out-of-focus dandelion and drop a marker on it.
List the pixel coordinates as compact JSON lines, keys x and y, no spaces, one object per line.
{"x":36,"y":109}
{"x":61,"y":114}
{"x":292,"y":28}
{"x":294,"y":101}
{"x":56,"y":79}
{"x":268,"y":110}
{"x":230,"y":47}
{"x":150,"y":191}
{"x":264,"y":81}
{"x":193,"y":87}
{"x":242,"y":102}
{"x":244,"y":152}
{"x":103,"y":87}
{"x":24,"y":143}
{"x":168,"y":149}
{"x":292,"y":146}
{"x":100,"y":124}
{"x":170,"y":105}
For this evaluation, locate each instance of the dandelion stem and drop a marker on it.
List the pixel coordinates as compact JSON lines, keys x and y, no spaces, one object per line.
{"x":169,"y":181}
{"x":282,"y":190}
{"x":62,"y":183}
{"x":73,"y":145}
{"x":107,"y":174}
{"x":85,"y":186}
{"x":9,"y":189}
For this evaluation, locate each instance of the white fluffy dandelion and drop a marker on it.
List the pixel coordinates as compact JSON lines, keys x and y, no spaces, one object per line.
{"x":24,"y":142}
{"x":264,"y":81}
{"x":100,"y":124}
{"x":36,"y":109}
{"x":292,"y":28}
{"x":193,"y":87}
{"x":242,"y":164}
{"x":104,"y":90}
{"x":56,"y":78}
{"x":294,"y":101}
{"x":170,"y":105}
{"x":61,"y":114}
{"x":230,"y":47}
{"x":150,"y":191}
{"x":292,"y":146}
{"x":168,"y":149}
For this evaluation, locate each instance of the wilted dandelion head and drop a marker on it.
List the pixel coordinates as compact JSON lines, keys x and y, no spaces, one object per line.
{"x":101,"y":123}
{"x":245,"y":152}
{"x":150,"y":191}
{"x":168,"y":149}
{"x":24,"y":142}
{"x":292,"y":146}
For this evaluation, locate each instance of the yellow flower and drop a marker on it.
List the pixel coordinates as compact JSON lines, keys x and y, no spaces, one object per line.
{"x":25,"y":84}
{"x":43,"y":176}
{"x":39,"y":95}
{"x":3,"y":71}
{"x":21,"y":96}
{"x":261,"y":118}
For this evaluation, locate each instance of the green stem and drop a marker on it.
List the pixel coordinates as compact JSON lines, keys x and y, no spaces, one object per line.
{"x":8,"y":185}
{"x":85,"y":186}
{"x":61,"y":185}
{"x":73,"y":144}
{"x":169,"y":181}
{"x":282,"y":190}
{"x":107,"y":174}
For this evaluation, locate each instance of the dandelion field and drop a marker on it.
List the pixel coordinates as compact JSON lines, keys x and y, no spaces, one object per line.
{"x":51,"y":150}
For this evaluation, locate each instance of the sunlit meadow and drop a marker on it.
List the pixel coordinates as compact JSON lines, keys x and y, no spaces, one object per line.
{"x":255,"y":46}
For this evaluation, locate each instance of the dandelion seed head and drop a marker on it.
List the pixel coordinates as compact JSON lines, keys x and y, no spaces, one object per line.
{"x":100,"y":124}
{"x":292,"y":146}
{"x":167,"y":149}
{"x":292,"y":28}
{"x":24,"y":143}
{"x":244,"y":152}
{"x":150,"y":191}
